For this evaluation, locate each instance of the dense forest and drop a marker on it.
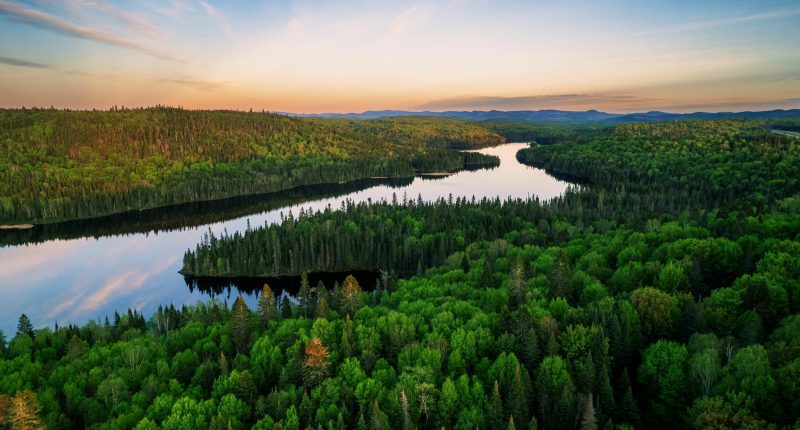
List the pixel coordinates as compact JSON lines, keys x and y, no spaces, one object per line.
{"x":59,"y":165}
{"x":663,"y":293}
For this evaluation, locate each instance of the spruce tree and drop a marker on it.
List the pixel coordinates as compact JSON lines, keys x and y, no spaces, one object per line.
{"x":517,"y":398}
{"x":517,"y":287}
{"x":495,"y":416}
{"x":589,"y":421}
{"x":286,"y":308}
{"x":267,"y":306}
{"x":24,"y":326}
{"x":240,"y":326}
{"x":304,"y":298}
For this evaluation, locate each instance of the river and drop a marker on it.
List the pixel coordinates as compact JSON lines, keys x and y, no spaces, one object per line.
{"x":88,"y":270}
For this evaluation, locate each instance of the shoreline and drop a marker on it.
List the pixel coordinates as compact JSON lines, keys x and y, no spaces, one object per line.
{"x":16,"y":227}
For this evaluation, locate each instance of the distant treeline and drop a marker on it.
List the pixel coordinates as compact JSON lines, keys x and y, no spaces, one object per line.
{"x":59,"y":165}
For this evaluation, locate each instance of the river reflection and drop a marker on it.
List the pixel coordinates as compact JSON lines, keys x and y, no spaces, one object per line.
{"x":86,"y":270}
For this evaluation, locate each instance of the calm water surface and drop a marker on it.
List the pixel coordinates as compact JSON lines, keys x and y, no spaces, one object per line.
{"x":78,"y":279}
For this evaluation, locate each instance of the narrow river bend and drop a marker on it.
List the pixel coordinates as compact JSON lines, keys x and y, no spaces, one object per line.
{"x":70,"y":278}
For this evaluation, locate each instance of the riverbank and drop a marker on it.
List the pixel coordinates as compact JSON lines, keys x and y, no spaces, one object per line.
{"x":16,"y":227}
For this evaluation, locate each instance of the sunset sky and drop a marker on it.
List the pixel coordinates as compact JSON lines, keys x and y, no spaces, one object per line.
{"x":350,"y":56}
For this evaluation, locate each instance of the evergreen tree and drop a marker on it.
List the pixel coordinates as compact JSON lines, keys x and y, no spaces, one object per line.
{"x":605,"y":394}
{"x":406,"y":410}
{"x":305,"y":301}
{"x":267,"y":306}
{"x":517,"y":285}
{"x":487,"y":278}
{"x":347,"y":345}
{"x":585,"y":375}
{"x":25,"y":409}
{"x":378,"y":420}
{"x":517,"y":398}
{"x":316,"y":362}
{"x":559,"y":278}
{"x":24,"y":326}
{"x":528,"y":341}
{"x":322,"y":308}
{"x":286,"y":308}
{"x":495,"y":416}
{"x":240,"y":326}
{"x":589,"y":421}
{"x":350,"y":296}
{"x":223,"y":363}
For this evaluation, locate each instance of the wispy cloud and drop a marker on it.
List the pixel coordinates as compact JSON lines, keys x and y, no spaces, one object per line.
{"x":135,"y":22}
{"x":196,"y":83}
{"x":723,"y":22}
{"x":49,"y":22}
{"x":177,"y":8}
{"x":735,"y":104}
{"x":533,"y":102}
{"x":22,"y":63}
{"x":216,"y":16}
{"x":411,"y":18}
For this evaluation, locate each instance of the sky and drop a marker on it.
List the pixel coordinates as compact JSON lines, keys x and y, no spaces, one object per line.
{"x":310,"y":56}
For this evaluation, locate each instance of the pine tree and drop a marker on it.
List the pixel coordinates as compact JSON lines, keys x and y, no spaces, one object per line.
{"x":25,"y":411}
{"x":406,"y":409}
{"x":322,"y":308}
{"x":350,"y":296}
{"x":347,"y":348}
{"x":517,"y":287}
{"x":559,"y":277}
{"x":517,"y":398}
{"x":528,"y":341}
{"x":286,"y":308}
{"x":487,"y":278}
{"x":377,"y":419}
{"x":628,"y":410}
{"x":304,"y":296}
{"x":495,"y":416}
{"x":464,"y":263}
{"x":585,"y":375}
{"x":267,"y":305}
{"x":240,"y":326}
{"x":605,"y":394}
{"x":223,"y":363}
{"x":511,"y":423}
{"x":24,"y":326}
{"x":589,"y":421}
{"x":316,"y":362}
{"x":306,"y":411}
{"x":564,"y":416}
{"x":336,"y":296}
{"x":74,"y":348}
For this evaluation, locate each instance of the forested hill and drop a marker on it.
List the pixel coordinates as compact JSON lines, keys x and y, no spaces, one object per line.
{"x":554,"y":116}
{"x":59,"y":164}
{"x":723,"y":164}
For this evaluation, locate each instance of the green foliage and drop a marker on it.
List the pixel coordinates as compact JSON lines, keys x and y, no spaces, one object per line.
{"x":59,"y":165}
{"x":525,"y":314}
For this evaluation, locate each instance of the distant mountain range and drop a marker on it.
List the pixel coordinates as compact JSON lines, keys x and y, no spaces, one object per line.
{"x":567,"y":117}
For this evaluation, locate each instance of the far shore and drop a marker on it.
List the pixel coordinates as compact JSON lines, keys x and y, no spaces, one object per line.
{"x":16,"y":227}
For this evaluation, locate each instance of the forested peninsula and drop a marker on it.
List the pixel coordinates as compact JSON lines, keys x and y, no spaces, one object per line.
{"x":59,"y":165}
